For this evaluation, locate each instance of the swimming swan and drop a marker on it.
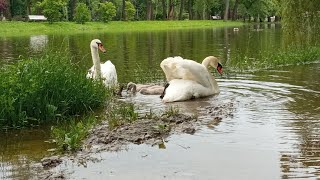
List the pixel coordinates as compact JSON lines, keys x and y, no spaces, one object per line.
{"x":189,"y":79}
{"x":106,"y":71}
{"x":179,"y":68}
{"x":145,"y":89}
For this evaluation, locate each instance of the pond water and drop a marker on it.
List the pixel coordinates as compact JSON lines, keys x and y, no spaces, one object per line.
{"x":272,"y":134}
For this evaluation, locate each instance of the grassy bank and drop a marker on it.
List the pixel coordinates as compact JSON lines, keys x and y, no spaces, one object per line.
{"x":41,"y":90}
{"x":13,"y":28}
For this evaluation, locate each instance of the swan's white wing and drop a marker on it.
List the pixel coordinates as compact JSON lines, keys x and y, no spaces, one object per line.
{"x":109,"y":73}
{"x":181,"y":90}
{"x":179,"y":68}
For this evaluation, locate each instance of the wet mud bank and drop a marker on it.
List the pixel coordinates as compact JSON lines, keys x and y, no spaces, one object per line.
{"x":146,"y":130}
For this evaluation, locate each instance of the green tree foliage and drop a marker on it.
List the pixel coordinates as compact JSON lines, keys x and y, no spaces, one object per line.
{"x":130,"y":10}
{"x":53,"y":9}
{"x":82,"y":13}
{"x":301,"y":19}
{"x":106,"y":11}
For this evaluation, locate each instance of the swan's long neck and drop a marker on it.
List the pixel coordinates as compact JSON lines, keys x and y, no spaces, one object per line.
{"x":210,"y":61}
{"x":96,"y":62}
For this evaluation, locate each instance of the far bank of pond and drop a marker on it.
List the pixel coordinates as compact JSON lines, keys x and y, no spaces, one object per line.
{"x":17,"y":28}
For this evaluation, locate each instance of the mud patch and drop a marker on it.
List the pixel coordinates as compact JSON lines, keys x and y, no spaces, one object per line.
{"x":153,"y":131}
{"x":150,"y":131}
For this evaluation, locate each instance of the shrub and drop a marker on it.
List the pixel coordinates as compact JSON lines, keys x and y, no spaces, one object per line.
{"x":130,"y":10}
{"x":82,"y":13}
{"x":40,"y":90}
{"x":107,"y":11}
{"x":53,"y":9}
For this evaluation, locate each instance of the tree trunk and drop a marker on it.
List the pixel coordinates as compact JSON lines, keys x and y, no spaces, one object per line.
{"x":72,"y":8}
{"x":171,"y":10}
{"x":149,"y":10}
{"x":226,"y":12}
{"x":181,"y":9}
{"x":123,"y":16}
{"x":235,"y":10}
{"x":164,"y":10}
{"x":190,"y":3}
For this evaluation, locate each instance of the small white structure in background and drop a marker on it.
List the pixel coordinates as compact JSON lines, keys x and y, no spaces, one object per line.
{"x":38,"y":42}
{"x":36,"y":18}
{"x":235,"y":29}
{"x":215,"y":17}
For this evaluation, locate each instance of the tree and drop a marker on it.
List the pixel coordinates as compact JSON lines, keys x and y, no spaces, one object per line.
{"x":82,"y":13}
{"x":226,"y":11}
{"x":53,"y":9}
{"x":164,"y":9}
{"x":3,"y":7}
{"x":107,"y":11}
{"x":149,"y":10}
{"x":130,"y":11}
{"x":124,"y":15}
{"x":301,"y":20}
{"x":181,"y":9}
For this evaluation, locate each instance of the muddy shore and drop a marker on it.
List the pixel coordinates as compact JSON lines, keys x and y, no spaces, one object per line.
{"x":146,"y":130}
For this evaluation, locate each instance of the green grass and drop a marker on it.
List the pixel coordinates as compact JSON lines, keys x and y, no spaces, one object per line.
{"x":69,"y":135}
{"x":120,"y":113}
{"x":42,"y":90}
{"x":14,"y":28}
{"x":271,"y":59}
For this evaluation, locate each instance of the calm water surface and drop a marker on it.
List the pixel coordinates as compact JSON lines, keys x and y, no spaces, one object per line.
{"x":273,"y":133}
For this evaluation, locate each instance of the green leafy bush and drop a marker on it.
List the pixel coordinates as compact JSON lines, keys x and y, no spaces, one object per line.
{"x":53,"y":9}
{"x":82,"y":13}
{"x":130,"y":10}
{"x":107,"y":11}
{"x":40,"y":90}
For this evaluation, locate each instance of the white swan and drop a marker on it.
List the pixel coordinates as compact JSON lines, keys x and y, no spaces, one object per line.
{"x":179,"y":68}
{"x":189,"y":79}
{"x":106,"y":71}
{"x":182,"y":90}
{"x":145,"y":89}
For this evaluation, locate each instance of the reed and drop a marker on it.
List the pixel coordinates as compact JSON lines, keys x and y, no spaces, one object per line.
{"x":41,"y":90}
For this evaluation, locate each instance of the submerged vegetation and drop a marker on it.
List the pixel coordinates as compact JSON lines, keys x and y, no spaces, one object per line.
{"x":40,"y":90}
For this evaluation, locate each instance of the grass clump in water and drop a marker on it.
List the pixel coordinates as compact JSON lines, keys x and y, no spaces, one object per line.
{"x":68,"y":136}
{"x":265,"y":60}
{"x":121,"y":113}
{"x":171,"y":111}
{"x":40,"y":90}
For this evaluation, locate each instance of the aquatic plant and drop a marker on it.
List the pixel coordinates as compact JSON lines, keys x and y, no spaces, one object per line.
{"x":69,"y":135}
{"x":41,"y":90}
{"x":171,"y":111}
{"x":121,"y":113}
{"x":270,"y":59}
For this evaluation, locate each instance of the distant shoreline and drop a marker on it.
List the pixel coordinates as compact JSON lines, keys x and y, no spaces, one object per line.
{"x":18,"y":28}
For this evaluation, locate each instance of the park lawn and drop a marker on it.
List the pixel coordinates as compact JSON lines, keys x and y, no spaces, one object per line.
{"x":17,"y":28}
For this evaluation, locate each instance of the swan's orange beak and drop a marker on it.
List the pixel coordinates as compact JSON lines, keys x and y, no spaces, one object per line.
{"x":219,"y":68}
{"x":101,"y":48}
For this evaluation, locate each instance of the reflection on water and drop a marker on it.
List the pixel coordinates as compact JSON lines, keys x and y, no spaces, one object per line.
{"x":273,"y":133}
{"x":19,"y":149}
{"x":38,"y":43}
